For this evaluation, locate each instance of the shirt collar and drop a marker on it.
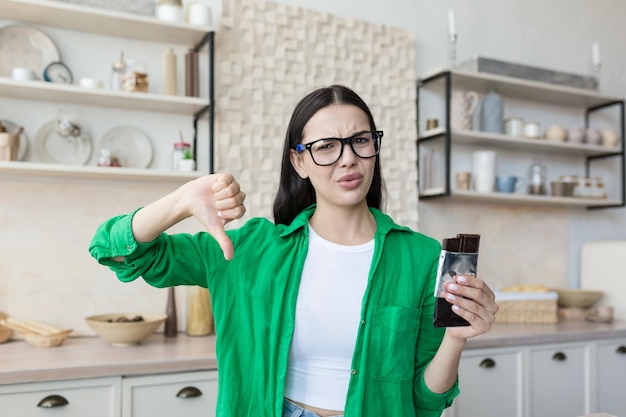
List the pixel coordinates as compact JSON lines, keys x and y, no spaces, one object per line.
{"x":384,"y":223}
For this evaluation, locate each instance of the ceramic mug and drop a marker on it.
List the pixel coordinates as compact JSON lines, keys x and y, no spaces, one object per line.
{"x":463,"y":180}
{"x":593,"y":137}
{"x":556,"y":133}
{"x":576,"y":135}
{"x":462,"y":106}
{"x":532,"y":130}
{"x":484,"y":171}
{"x":514,"y":126}
{"x":509,"y":183}
{"x":609,"y":138}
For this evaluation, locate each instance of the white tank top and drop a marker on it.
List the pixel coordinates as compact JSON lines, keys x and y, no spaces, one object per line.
{"x":327,"y":320}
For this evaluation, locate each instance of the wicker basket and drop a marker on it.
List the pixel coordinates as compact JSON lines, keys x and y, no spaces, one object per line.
{"x":527,"y":308}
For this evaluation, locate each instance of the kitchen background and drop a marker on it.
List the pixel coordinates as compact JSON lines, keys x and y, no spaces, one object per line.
{"x":269,"y":55}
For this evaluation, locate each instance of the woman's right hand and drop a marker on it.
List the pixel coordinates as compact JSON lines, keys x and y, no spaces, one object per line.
{"x":216,"y":200}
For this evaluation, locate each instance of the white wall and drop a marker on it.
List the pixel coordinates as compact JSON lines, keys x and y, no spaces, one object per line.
{"x":554,"y":34}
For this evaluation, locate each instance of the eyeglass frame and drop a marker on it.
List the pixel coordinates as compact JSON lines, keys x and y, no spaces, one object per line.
{"x":301,"y":147}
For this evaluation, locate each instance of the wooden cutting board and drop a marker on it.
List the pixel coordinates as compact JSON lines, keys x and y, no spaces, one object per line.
{"x":601,"y":268}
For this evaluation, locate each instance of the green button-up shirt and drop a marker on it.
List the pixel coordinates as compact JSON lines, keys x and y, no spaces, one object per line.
{"x":254,"y":301}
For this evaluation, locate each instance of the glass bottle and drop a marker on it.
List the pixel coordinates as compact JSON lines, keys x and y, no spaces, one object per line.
{"x":171,"y":322}
{"x":537,"y":178}
{"x":118,"y":69}
{"x":199,"y":313}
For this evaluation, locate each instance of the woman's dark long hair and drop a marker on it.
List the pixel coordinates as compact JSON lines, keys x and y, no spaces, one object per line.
{"x":294,"y":193}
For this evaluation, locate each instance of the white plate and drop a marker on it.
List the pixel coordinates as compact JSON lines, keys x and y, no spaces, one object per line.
{"x":130,"y":145}
{"x":52,"y":147}
{"x":23,"y":145}
{"x":27,"y":47}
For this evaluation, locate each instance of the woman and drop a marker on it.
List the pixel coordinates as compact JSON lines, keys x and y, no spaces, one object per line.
{"x":328,"y":310}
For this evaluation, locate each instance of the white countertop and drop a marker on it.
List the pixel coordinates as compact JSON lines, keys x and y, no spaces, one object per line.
{"x":530,"y":334}
{"x":92,"y":357}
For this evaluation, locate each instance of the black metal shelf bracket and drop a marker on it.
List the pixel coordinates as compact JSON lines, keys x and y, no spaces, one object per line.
{"x":208,"y":39}
{"x":620,"y":155}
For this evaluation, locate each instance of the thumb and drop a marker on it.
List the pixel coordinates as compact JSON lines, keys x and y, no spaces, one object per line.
{"x":218,"y":232}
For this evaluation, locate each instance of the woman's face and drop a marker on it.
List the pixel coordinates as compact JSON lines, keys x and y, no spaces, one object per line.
{"x":347,"y":181}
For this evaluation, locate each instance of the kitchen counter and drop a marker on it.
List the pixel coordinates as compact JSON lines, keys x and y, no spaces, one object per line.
{"x":502,"y":335}
{"x":92,"y":357}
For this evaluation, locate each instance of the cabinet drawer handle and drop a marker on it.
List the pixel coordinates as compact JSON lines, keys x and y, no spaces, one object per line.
{"x":559,"y":356}
{"x":487,"y":363}
{"x":189,"y":392}
{"x":621,"y":350}
{"x":52,"y":401}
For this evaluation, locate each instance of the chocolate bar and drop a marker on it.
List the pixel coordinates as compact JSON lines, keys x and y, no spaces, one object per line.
{"x":459,"y":256}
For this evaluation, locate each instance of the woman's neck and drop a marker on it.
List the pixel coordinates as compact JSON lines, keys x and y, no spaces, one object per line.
{"x":344,"y":225}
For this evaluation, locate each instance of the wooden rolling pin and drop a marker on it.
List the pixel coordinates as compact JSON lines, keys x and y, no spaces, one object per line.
{"x":29,"y":327}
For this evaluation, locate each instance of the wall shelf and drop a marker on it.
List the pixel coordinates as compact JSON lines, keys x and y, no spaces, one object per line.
{"x":523,"y":89}
{"x":39,"y":170}
{"x":44,"y":91}
{"x":470,"y":137}
{"x":105,"y":22}
{"x":534,"y":91}
{"x":544,"y":200}
{"x":118,"y":24}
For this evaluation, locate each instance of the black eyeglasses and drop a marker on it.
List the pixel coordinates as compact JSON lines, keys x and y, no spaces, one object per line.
{"x":327,"y":151}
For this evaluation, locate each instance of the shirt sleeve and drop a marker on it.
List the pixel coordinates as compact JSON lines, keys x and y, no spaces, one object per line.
{"x":427,"y":402}
{"x":168,"y":260}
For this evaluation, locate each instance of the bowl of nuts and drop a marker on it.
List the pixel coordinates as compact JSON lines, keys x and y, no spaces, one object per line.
{"x":125,"y":329}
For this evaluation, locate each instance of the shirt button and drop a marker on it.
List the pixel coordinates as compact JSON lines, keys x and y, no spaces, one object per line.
{"x":353,"y":372}
{"x":363,"y":322}
{"x":128,"y":247}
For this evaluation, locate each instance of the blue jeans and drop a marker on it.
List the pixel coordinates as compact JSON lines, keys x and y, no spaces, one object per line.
{"x":292,"y":410}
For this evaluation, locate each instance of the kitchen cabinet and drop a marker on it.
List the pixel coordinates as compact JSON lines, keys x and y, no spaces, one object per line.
{"x":498,"y":372}
{"x":557,"y":380}
{"x":449,"y":140}
{"x":115,"y":24}
{"x":190,"y":394}
{"x":609,"y":376}
{"x":553,"y":379}
{"x":178,"y":394}
{"x":98,"y":397}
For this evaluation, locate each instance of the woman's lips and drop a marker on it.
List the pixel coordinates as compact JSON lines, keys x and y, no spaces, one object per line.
{"x":350,"y":181}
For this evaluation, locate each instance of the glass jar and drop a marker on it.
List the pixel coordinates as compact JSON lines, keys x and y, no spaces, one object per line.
{"x":537,"y":175}
{"x":182,"y":150}
{"x":135,"y":76}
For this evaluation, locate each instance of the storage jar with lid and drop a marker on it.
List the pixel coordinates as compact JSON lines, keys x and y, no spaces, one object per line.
{"x":182,"y":150}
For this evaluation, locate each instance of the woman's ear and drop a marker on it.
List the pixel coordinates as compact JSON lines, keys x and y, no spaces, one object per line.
{"x":296,"y":163}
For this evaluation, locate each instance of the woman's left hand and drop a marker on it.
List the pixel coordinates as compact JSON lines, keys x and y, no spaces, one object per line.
{"x":472,"y":299}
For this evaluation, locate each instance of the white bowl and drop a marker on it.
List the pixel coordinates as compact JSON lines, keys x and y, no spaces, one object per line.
{"x":577,"y":298}
{"x":125,"y":333}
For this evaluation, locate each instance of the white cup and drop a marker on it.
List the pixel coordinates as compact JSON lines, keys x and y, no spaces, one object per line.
{"x":88,"y":82}
{"x":199,"y":14}
{"x":514,"y":126}
{"x":169,"y":13}
{"x":23,"y":74}
{"x":484,"y":171}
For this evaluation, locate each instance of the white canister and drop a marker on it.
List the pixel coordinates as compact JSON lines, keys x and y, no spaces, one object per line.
{"x":199,"y":14}
{"x":169,"y":13}
{"x":484,"y":171}
{"x":514,"y":126}
{"x":532,"y":130}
